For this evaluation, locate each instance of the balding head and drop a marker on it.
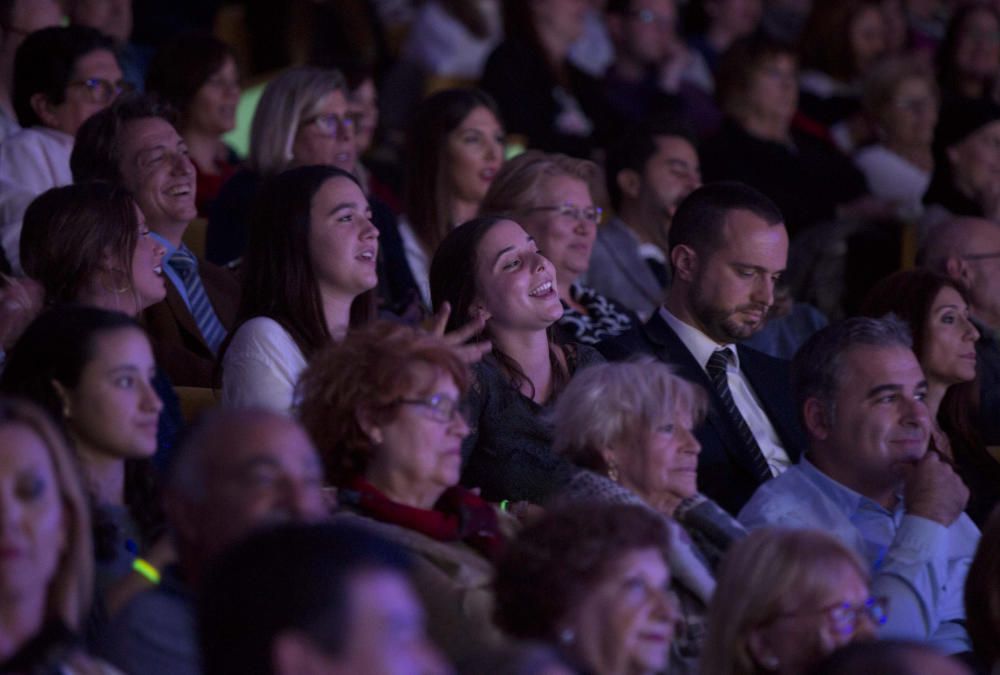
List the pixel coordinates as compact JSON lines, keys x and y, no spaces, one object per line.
{"x":968,"y":250}
{"x":238,"y":470}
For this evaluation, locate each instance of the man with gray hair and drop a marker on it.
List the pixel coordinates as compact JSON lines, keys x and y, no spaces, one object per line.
{"x":968,"y":251}
{"x":239,"y":470}
{"x":868,"y":478}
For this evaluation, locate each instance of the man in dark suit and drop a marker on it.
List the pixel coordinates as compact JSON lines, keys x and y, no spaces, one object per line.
{"x":134,"y":144}
{"x":728,"y":247}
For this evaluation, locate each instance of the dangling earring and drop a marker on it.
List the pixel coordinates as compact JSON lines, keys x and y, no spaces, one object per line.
{"x":567,"y":636}
{"x":613,"y":470}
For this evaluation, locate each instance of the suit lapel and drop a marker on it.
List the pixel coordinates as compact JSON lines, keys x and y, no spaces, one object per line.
{"x":670,"y":349}
{"x":184,"y":317}
{"x":769,"y":392}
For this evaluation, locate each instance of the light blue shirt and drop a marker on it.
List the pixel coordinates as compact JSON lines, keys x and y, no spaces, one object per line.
{"x":171,"y":273}
{"x":920,"y":565}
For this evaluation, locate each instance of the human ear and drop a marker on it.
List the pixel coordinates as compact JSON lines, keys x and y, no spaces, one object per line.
{"x":368,"y":425}
{"x":477,"y":310}
{"x":815,"y":414}
{"x":629,"y":182}
{"x":684,"y":261}
{"x":44,"y":109}
{"x":64,"y":398}
{"x":760,"y":650}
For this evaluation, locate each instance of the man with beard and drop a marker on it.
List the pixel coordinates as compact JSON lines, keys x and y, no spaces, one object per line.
{"x":728,"y":247}
{"x":648,"y":173}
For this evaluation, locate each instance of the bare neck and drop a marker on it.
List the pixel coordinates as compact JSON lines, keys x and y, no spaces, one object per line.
{"x":21,"y":618}
{"x":336,"y":313}
{"x":532,"y":353}
{"x":104,"y":474}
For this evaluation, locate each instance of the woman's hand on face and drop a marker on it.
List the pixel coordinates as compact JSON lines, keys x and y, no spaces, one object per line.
{"x":471,"y":352}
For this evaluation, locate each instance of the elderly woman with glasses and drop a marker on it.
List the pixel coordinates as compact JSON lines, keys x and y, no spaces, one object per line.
{"x":384,"y":410}
{"x":552,"y":197}
{"x":784,"y":600}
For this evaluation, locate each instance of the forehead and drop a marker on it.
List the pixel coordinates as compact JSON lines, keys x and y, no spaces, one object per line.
{"x":749,"y":239}
{"x":947,"y":296}
{"x":563,"y":188}
{"x":674,"y":147}
{"x":22,"y":449}
{"x":981,"y":235}
{"x":147,"y":133}
{"x":96,"y":63}
{"x":122,"y":344}
{"x":336,"y":190}
{"x":270,"y":439}
{"x":503,"y":234}
{"x":865,"y":367}
{"x":985,"y":134}
{"x":333,"y":102}
{"x":662,"y":7}
{"x":480,"y":116}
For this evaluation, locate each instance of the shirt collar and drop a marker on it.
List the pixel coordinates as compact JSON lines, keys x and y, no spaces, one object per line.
{"x":170,"y":248}
{"x":700,"y":345}
{"x":846,"y":498}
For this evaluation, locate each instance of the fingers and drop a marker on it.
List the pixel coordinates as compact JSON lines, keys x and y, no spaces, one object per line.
{"x":465,"y":333}
{"x":440,"y":319}
{"x":474,"y":352}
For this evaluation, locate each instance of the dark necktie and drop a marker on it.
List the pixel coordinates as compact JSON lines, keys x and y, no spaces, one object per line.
{"x":716,"y":368}
{"x":186,"y":266}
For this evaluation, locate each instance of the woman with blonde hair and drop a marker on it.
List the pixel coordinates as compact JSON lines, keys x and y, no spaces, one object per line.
{"x":786,"y":598}
{"x":47,"y":570}
{"x":557,"y":200}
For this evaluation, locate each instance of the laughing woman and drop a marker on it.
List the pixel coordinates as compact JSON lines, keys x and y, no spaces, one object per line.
{"x":309,"y":275}
{"x":490,"y":269}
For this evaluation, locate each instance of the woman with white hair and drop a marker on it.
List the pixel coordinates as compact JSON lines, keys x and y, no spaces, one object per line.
{"x":630,"y":425}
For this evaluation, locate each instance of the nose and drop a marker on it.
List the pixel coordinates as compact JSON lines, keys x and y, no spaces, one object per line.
{"x":458,"y":425}
{"x":763,"y":290}
{"x":182,"y":165}
{"x":150,"y":399}
{"x":971,"y":332}
{"x":689,"y":443}
{"x":864,"y":628}
{"x":369,"y":231}
{"x":915,"y":412}
{"x":159,"y":250}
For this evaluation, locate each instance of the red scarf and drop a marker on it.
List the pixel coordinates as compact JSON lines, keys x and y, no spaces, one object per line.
{"x":458,"y":515}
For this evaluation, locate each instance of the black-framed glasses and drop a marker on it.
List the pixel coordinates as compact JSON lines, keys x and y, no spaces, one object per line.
{"x":592,"y":214}
{"x":332,"y":124}
{"x":981,"y":256}
{"x":101,"y":91}
{"x":439,"y":407}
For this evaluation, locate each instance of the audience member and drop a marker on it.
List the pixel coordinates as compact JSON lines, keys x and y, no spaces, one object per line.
{"x":591,"y":580}
{"x":384,"y":407}
{"x":889,"y":657}
{"x":237,"y":471}
{"x":197,"y":76}
{"x":46,"y":572}
{"x":869,"y":480}
{"x":18,"y":19}
{"x":552,"y":197}
{"x":811,"y":182}
{"x":62,"y":76}
{"x":133,"y":144}
{"x":901,"y":99}
{"x":647,"y":173}
{"x":114,"y":19}
{"x":543,"y":97}
{"x":631,"y":426}
{"x":654,"y":75}
{"x":720,"y":24}
{"x":966,"y":143}
{"x":337,"y":600}
{"x":490,"y":270}
{"x":936,"y":310}
{"x":99,"y":385}
{"x":785,"y":599}
{"x":728,"y":247}
{"x":88,"y":244}
{"x":968,"y":60}
{"x":455,"y":147}
{"x":309,"y":275}
{"x":967,"y":250}
{"x":982,"y":600}
{"x":840,"y":42}
{"x":451,"y":39}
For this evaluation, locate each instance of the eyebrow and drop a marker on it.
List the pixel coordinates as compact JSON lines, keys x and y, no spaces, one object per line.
{"x":508,"y":249}
{"x":756,"y":268}
{"x":877,"y":391}
{"x":347,"y":205}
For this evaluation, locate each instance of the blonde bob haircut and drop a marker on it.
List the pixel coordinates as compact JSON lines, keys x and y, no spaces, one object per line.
{"x":71,"y":586}
{"x":516,"y":187}
{"x":619,"y":404}
{"x":772,"y":572}
{"x":287,"y":101}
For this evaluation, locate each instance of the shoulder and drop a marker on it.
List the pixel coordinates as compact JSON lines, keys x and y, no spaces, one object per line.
{"x":261,"y":331}
{"x":580,"y":356}
{"x":785,"y":500}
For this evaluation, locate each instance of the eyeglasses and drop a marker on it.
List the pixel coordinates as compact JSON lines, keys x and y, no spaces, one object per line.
{"x":846,"y":616}
{"x":592,"y":214}
{"x":439,"y":407}
{"x":332,"y":124}
{"x":101,"y":91}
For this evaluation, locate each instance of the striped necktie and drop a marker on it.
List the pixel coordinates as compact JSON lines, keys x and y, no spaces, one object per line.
{"x":186,"y":266}
{"x":717,"y":365}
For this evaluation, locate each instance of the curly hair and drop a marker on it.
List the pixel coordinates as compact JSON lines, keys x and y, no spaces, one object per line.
{"x":367,"y":373}
{"x":555,"y":562}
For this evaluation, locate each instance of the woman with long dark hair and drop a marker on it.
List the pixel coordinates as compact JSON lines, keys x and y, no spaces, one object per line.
{"x":309,"y":275}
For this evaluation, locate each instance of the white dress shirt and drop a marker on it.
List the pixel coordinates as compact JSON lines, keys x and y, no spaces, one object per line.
{"x":702,"y":347}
